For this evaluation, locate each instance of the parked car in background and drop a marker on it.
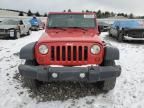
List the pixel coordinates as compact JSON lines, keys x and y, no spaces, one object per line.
{"x":104,"y":27}
{"x":26,"y":21}
{"x":128,"y":29}
{"x":36,"y":24}
{"x":14,"y":28}
{"x":42,"y":25}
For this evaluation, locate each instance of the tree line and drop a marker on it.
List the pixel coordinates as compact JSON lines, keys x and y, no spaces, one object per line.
{"x":100,"y":14}
{"x":107,"y":14}
{"x":30,"y":13}
{"x":23,"y":13}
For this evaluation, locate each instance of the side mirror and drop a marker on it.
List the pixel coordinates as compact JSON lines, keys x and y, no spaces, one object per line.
{"x":99,"y":30}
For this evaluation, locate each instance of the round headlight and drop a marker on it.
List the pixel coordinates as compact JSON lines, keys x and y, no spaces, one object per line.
{"x":95,"y":49}
{"x":43,"y":49}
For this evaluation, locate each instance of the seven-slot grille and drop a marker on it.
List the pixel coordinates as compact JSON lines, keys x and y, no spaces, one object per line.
{"x":69,"y":53}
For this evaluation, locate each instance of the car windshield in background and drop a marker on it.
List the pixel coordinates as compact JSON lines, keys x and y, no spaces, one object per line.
{"x":130,"y":24}
{"x":72,"y":20}
{"x":9,"y":22}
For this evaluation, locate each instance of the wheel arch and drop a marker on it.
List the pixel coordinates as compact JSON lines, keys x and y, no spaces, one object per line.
{"x":27,"y":52}
{"x":111,"y":53}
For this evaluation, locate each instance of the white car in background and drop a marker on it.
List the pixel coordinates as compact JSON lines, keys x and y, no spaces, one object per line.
{"x":14,"y":28}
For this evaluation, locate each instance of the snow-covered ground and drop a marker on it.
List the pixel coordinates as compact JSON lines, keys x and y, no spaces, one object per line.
{"x":128,"y":93}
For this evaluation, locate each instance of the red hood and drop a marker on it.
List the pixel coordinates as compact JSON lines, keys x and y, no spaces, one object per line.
{"x":70,"y":36}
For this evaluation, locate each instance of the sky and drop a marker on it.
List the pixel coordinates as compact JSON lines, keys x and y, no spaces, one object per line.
{"x":125,"y":6}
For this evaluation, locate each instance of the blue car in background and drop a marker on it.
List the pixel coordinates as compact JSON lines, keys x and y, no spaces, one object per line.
{"x":36,"y":24}
{"x":128,"y":29}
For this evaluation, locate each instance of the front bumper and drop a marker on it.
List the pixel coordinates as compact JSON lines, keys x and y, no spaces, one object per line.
{"x":131,"y":38}
{"x":80,"y":74}
{"x":4,"y":35}
{"x":134,"y":33}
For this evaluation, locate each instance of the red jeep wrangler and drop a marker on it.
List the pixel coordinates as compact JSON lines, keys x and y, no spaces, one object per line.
{"x":70,"y":50}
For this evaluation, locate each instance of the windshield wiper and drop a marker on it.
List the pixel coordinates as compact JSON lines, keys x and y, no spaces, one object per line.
{"x":79,"y":28}
{"x":58,"y":28}
{"x":64,"y":29}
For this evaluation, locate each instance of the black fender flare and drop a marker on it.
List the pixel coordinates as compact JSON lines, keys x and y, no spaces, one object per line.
{"x":111,"y":53}
{"x":27,"y":52}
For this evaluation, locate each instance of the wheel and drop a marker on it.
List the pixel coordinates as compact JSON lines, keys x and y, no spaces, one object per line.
{"x":37,"y":29}
{"x":29,"y":32}
{"x":110,"y":34}
{"x":17,"y":34}
{"x":108,"y":84}
{"x":43,"y":26}
{"x":31,"y":83}
{"x":120,"y":37}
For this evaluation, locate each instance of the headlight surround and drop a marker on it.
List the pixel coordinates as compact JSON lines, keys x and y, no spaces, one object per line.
{"x":10,"y":30}
{"x":95,"y":49}
{"x":43,"y":49}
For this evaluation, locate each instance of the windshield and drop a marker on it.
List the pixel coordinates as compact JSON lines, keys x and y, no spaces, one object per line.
{"x":72,"y":20}
{"x":9,"y":22}
{"x":130,"y":24}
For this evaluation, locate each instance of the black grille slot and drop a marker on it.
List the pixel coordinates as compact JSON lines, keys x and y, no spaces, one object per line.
{"x":80,"y":53}
{"x":58,"y":53}
{"x":69,"y":53}
{"x":85,"y":53}
{"x":63,"y":53}
{"x":52,"y":53}
{"x":74,"y":53}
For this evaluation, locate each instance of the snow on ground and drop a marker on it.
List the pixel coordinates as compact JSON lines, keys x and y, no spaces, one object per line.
{"x":128,"y":93}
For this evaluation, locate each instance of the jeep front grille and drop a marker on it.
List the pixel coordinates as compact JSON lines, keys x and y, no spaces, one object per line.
{"x":69,"y":53}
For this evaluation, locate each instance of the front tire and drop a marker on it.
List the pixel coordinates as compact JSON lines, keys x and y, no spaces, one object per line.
{"x":29,"y":32}
{"x":37,"y":29}
{"x":31,"y":83}
{"x":110,"y":34}
{"x":120,"y":37}
{"x":107,"y":84}
{"x":17,"y":34}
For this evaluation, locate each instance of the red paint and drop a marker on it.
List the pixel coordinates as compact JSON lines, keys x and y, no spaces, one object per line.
{"x":70,"y":37}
